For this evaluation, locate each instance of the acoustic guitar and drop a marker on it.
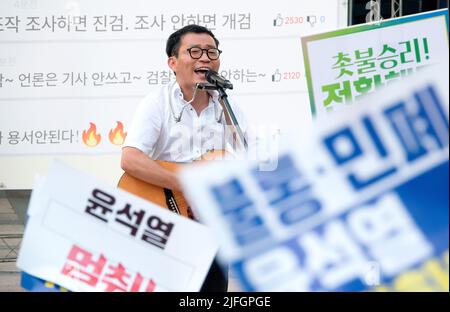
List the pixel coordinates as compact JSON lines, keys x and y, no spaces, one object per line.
{"x":166,"y":198}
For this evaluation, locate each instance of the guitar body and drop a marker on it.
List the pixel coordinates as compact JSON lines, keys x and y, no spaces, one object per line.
{"x":172,"y":200}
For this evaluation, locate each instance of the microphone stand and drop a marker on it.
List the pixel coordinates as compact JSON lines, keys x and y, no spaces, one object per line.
{"x":224,"y":98}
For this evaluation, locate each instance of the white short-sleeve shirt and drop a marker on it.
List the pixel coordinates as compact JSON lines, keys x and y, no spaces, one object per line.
{"x":156,"y":132}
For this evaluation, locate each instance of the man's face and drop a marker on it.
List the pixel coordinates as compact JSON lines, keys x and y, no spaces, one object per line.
{"x":191,"y":71}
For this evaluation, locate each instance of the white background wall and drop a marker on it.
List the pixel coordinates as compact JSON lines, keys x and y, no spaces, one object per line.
{"x":266,"y":44}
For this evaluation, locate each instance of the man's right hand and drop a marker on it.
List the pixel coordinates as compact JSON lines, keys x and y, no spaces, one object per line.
{"x":139,"y":165}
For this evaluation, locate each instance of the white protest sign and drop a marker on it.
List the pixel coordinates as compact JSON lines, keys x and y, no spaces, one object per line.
{"x":360,"y":201}
{"x":87,"y":236}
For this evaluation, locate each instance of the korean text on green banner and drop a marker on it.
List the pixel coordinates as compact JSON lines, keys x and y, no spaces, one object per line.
{"x":343,"y":65}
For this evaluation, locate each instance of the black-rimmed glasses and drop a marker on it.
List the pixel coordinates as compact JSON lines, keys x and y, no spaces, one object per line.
{"x":212,"y":53}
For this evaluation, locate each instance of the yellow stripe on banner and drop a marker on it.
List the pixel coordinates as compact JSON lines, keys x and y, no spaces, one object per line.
{"x":412,"y":281}
{"x":433,"y":275}
{"x":437,"y":274}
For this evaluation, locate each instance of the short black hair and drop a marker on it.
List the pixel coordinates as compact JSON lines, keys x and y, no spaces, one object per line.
{"x":174,"y":41}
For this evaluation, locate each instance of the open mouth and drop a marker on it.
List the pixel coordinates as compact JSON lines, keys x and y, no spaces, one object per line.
{"x":201,"y":71}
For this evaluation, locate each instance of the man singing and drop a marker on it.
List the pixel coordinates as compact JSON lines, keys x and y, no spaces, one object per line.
{"x":179,"y":122}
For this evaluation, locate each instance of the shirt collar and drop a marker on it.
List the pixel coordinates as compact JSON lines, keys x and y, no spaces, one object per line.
{"x":178,"y":94}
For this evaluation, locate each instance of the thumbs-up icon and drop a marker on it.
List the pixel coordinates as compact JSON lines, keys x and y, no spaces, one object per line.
{"x":278,"y":21}
{"x":276,"y":77}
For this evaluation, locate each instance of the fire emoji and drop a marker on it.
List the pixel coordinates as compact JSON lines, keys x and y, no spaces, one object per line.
{"x":117,"y":136}
{"x":90,"y":137}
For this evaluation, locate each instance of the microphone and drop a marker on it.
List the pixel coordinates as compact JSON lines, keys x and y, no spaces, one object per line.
{"x":214,"y":78}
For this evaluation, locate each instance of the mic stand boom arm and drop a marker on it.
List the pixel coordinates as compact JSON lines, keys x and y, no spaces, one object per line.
{"x":223,"y":97}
